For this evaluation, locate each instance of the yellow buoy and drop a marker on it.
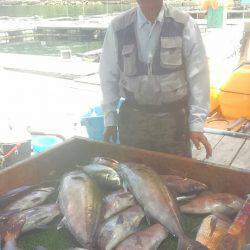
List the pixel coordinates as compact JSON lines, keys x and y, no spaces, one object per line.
{"x":235,"y":94}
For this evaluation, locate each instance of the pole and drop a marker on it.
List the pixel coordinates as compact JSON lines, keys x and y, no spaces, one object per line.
{"x":224,"y":132}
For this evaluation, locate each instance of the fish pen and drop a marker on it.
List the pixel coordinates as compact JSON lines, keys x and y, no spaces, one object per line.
{"x":52,"y":164}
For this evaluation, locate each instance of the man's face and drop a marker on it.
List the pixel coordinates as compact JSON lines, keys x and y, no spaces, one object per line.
{"x":150,"y":4}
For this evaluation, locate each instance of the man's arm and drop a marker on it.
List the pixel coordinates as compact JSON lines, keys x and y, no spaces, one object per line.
{"x":197,"y":74}
{"x":109,"y":75}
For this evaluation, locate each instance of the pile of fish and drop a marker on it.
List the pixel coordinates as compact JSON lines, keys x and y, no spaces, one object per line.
{"x":21,"y":210}
{"x":110,"y":205}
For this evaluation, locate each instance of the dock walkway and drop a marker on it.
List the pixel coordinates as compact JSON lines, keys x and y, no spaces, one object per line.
{"x":228,"y":151}
{"x":48,"y":65}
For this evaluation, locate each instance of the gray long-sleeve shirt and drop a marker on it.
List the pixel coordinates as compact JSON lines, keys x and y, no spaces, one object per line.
{"x":195,"y":60}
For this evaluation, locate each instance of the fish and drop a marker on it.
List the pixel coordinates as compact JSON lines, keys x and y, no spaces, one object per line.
{"x":119,"y":200}
{"x":14,"y":194}
{"x":105,"y":176}
{"x":37,"y":217}
{"x":32,"y":199}
{"x":238,"y":229}
{"x":116,"y":202}
{"x":183,"y":186}
{"x":105,"y":161}
{"x":148,"y":239}
{"x":80,"y":202}
{"x":119,"y":227}
{"x":216,"y":203}
{"x":212,"y":231}
{"x":157,"y":201}
{"x":10,"y":231}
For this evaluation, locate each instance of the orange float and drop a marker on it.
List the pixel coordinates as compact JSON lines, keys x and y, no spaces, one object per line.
{"x":234,"y":98}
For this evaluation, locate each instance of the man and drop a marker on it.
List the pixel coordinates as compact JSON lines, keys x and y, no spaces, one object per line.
{"x":153,"y":56}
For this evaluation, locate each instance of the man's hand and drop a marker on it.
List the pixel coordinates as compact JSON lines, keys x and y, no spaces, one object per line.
{"x":198,"y":138}
{"x":110,"y":133}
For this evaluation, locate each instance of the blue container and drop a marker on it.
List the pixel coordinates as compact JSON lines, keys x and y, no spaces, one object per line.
{"x":94,"y":122}
{"x":41,"y":143}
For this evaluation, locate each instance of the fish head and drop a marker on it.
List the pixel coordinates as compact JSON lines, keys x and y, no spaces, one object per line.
{"x":113,"y":178}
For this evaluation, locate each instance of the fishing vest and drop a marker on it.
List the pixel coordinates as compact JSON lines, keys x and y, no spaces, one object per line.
{"x":161,"y":81}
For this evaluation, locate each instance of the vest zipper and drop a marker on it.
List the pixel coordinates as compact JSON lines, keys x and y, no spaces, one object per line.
{"x":150,"y":65}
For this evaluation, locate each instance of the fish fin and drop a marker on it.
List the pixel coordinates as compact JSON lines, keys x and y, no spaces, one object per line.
{"x":125,"y":185}
{"x":11,"y":229}
{"x":186,"y":198}
{"x":186,"y":244}
{"x":213,"y":223}
{"x":61,"y":224}
{"x":148,"y":220}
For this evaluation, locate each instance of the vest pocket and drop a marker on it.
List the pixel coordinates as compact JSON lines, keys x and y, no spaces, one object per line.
{"x":129,"y":60}
{"x":173,"y":86}
{"x":171,"y":52}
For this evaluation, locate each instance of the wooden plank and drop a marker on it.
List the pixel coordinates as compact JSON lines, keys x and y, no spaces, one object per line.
{"x":54,"y":162}
{"x":243,"y":158}
{"x":201,"y":154}
{"x":225,"y":151}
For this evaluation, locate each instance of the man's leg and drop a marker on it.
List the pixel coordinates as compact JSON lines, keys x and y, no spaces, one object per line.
{"x":133,"y":128}
{"x":169,"y":133}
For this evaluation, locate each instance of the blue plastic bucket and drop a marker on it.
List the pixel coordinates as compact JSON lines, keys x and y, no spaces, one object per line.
{"x":94,"y":123}
{"x":93,"y":120}
{"x":41,"y":143}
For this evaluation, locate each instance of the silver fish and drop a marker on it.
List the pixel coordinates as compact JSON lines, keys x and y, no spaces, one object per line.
{"x":156,"y":200}
{"x":37,"y":217}
{"x":105,"y":176}
{"x":80,"y":203}
{"x":122,"y":199}
{"x":116,"y":202}
{"x":32,"y":199}
{"x":119,"y":227}
{"x":148,"y":239}
{"x":13,"y":195}
{"x":217,"y":203}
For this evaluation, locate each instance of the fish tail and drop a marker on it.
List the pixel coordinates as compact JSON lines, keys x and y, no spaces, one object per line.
{"x":12,"y":228}
{"x":189,"y":244}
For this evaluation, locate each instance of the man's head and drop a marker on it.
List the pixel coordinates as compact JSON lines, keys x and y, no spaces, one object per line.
{"x":150,"y":4}
{"x":150,"y":8}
